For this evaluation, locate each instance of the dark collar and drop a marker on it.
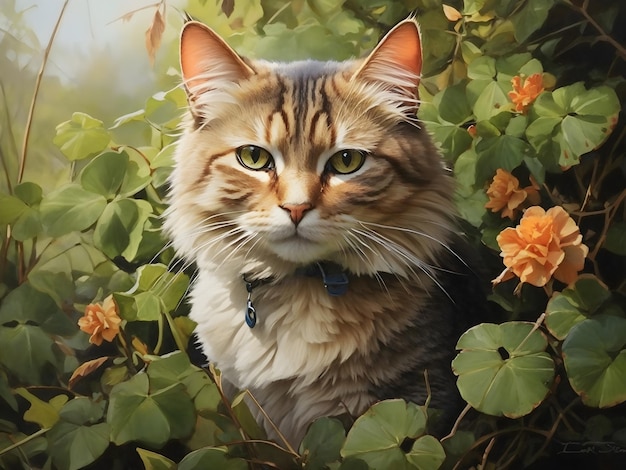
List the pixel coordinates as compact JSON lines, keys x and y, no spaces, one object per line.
{"x":334,"y":278}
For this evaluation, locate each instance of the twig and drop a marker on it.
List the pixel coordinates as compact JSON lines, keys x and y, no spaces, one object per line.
{"x":26,"y":440}
{"x":457,"y":423}
{"x":621,"y":50}
{"x":33,"y":102}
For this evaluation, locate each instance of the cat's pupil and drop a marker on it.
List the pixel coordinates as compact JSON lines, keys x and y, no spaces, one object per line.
{"x":255,"y":154}
{"x":346,"y":158}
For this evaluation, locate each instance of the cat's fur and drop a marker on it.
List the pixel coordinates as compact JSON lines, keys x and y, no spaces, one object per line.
{"x":390,"y":225}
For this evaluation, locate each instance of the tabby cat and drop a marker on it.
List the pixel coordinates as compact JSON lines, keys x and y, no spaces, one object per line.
{"x":320,"y":217}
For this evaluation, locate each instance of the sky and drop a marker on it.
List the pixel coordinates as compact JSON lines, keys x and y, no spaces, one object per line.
{"x":92,"y":25}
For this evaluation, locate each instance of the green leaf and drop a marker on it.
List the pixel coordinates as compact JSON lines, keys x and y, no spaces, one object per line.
{"x":82,"y":410}
{"x":11,"y":208}
{"x":28,"y":306}
{"x":595,"y":360}
{"x":5,"y":391}
{"x":37,"y":350}
{"x":70,"y":208}
{"x":45,"y":414}
{"x":503,"y":369}
{"x":136,"y":175}
{"x":120,"y":227}
{"x":81,"y":137}
{"x":377,"y":436}
{"x":615,"y":240}
{"x":29,"y":192}
{"x":211,"y":457}
{"x":572,"y":121}
{"x":506,"y":152}
{"x":490,"y":97}
{"x":105,"y":173}
{"x":73,"y":446}
{"x":426,"y":453}
{"x":586,"y":297}
{"x":153,"y":461}
{"x":140,"y":413}
{"x":322,"y":443}
{"x":530,"y":18}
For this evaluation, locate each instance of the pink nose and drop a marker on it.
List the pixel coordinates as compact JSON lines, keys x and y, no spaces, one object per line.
{"x":296,"y":211}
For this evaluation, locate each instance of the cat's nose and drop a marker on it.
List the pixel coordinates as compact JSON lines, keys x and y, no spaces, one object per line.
{"x":296,"y":211}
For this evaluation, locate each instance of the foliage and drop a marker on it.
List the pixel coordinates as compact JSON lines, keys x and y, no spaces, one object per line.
{"x":530,"y":87}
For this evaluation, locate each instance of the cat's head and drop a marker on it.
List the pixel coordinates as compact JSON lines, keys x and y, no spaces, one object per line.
{"x":285,"y":164}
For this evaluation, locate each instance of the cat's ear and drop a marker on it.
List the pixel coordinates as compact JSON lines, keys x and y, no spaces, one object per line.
{"x":396,"y":63}
{"x":206,"y":61}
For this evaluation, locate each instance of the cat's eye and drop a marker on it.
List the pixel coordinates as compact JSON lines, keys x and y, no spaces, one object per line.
{"x":345,"y":162}
{"x":255,"y":158}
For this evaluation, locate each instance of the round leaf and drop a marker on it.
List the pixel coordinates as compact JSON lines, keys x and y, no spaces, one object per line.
{"x":211,"y":457}
{"x":105,"y":173}
{"x":70,"y":208}
{"x":575,"y":303}
{"x":503,"y":369}
{"x":81,"y":137}
{"x":139,"y":413}
{"x":74,"y":446}
{"x":595,"y":360}
{"x":322,"y":443}
{"x":377,"y":436}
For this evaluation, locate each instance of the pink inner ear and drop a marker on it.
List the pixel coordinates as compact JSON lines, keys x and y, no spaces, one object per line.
{"x":397,"y":60}
{"x":403,"y":46}
{"x":205,"y":56}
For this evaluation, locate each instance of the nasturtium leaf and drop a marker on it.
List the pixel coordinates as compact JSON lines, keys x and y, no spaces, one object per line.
{"x":70,"y":208}
{"x":81,"y":137}
{"x":138,"y":412}
{"x":426,"y":454}
{"x":211,"y":457}
{"x":584,"y":298}
{"x":503,"y":369}
{"x":105,"y":173}
{"x":490,"y":97}
{"x":322,"y":443}
{"x":168,"y":286}
{"x":5,"y":391}
{"x":153,"y":461}
{"x":452,"y":105}
{"x":377,"y":436}
{"x":594,"y":354}
{"x":27,"y":226}
{"x":120,"y":227}
{"x":74,"y":446}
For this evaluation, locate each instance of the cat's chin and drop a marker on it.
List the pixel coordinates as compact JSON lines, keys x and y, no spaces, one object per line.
{"x":301,"y":251}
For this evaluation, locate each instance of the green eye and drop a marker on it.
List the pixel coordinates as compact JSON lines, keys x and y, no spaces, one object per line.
{"x":345,"y":162}
{"x":255,"y":158}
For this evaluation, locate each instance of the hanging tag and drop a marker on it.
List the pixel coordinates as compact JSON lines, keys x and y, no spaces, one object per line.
{"x":250,"y":314}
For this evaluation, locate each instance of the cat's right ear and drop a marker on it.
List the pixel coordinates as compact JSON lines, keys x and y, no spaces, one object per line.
{"x":207,"y":62}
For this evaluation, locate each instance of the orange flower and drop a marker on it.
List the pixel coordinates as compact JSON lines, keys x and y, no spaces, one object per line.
{"x":543,"y":245}
{"x":101,"y":321}
{"x":505,"y":194}
{"x":525,"y":93}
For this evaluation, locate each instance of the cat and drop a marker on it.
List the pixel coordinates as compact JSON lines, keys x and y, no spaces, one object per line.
{"x":320,"y":216}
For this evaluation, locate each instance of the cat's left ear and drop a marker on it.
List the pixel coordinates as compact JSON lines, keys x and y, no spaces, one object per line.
{"x":396,"y":62}
{"x":207,"y":62}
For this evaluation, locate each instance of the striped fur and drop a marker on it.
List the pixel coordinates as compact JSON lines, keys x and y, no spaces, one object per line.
{"x":389,"y":224}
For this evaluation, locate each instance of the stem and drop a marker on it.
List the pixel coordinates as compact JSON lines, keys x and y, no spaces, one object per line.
{"x":621,"y":50}
{"x":33,"y":102}
{"x":26,"y":440}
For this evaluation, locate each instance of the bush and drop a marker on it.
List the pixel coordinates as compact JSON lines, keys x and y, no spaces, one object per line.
{"x":524,"y":99}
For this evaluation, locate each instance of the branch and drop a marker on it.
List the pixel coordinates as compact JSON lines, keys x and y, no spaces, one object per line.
{"x":31,"y":111}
